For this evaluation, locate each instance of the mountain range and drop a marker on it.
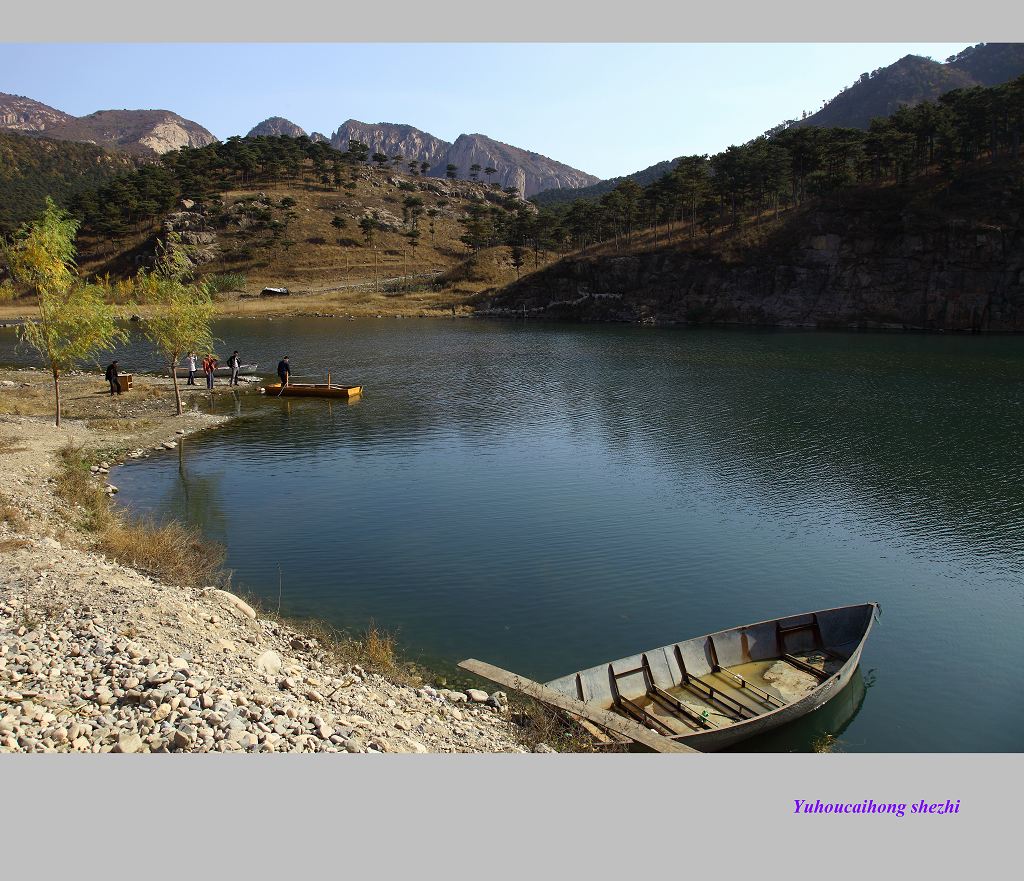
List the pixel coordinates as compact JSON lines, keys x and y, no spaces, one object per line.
{"x":148,"y":133}
{"x":524,"y":170}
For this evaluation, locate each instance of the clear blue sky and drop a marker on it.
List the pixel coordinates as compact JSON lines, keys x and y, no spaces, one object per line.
{"x":608,"y":109}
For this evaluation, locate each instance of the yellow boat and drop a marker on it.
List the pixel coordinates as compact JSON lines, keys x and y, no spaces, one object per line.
{"x":311,"y":390}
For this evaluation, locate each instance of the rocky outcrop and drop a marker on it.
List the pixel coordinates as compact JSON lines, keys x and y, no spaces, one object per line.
{"x":135,"y":131}
{"x":142,"y":132}
{"x":22,"y":114}
{"x":528,"y":172}
{"x":276,"y":126}
{"x":393,"y":140}
{"x":957,"y":276}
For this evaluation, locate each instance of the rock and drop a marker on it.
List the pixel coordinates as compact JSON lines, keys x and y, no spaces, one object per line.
{"x":414,"y":745}
{"x":169,"y":445}
{"x":477,"y":695}
{"x":184,"y":737}
{"x":269,"y":662}
{"x":234,"y":602}
{"x":128,"y":743}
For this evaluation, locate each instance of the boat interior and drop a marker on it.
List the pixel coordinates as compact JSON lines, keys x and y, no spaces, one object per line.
{"x":724,"y":678}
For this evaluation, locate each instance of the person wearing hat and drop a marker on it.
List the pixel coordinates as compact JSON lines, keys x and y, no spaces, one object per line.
{"x":115,"y":383}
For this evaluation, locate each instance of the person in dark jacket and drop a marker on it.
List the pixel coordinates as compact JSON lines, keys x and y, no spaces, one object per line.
{"x":115,"y":383}
{"x":284,"y":370}
{"x":234,"y":364}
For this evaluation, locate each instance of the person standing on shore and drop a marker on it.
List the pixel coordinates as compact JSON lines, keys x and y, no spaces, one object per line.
{"x":115,"y":383}
{"x":191,"y":362}
{"x":209,"y":365}
{"x":284,"y":371}
{"x":234,"y":365}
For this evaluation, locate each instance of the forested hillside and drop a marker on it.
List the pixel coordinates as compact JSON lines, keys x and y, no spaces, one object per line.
{"x":32,"y":168}
{"x":916,"y":221}
{"x":876,"y":93}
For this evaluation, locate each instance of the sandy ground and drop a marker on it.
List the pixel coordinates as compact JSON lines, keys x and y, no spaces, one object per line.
{"x":99,"y":657}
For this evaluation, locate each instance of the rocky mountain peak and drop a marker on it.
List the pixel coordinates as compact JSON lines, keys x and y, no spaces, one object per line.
{"x":524,"y":170}
{"x":276,"y":126}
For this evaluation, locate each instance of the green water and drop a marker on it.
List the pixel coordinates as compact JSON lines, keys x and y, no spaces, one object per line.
{"x":551,"y":497}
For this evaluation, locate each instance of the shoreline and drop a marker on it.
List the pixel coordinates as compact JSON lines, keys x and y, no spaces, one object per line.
{"x":98,"y":656}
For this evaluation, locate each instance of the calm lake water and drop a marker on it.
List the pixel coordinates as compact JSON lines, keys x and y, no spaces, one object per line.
{"x":551,"y":497}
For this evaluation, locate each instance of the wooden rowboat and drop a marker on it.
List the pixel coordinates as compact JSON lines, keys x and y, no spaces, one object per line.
{"x":311,"y":390}
{"x":713,"y":691}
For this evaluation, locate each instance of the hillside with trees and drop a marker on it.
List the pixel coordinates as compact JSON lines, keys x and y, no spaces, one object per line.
{"x":283,"y":211}
{"x":810,"y":225}
{"x":32,"y":168}
{"x":876,"y":93}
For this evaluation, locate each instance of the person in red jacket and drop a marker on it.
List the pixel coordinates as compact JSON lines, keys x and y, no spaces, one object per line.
{"x":209,"y":365}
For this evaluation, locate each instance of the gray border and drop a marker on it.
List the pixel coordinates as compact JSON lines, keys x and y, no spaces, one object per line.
{"x":490,"y":817}
{"x":521,"y":21}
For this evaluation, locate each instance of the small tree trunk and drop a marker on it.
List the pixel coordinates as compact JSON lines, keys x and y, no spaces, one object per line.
{"x":174,"y":379}
{"x":56,"y":392}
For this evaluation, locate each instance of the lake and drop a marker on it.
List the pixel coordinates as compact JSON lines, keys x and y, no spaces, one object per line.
{"x":549,"y":497}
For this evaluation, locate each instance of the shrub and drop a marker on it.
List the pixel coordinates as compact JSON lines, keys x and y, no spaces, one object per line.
{"x":74,"y":483}
{"x":171,"y":552}
{"x":224,"y":281}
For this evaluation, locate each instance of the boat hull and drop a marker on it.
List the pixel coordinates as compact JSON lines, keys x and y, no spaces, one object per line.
{"x":244,"y":370}
{"x":843,"y":631}
{"x":313,"y":391}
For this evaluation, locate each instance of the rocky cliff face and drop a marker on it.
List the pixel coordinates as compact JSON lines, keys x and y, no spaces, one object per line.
{"x":964,"y":274}
{"x":21,"y":114}
{"x":527,"y":172}
{"x":142,"y":132}
{"x":393,"y":140}
{"x":276,"y":126}
{"x":135,"y":131}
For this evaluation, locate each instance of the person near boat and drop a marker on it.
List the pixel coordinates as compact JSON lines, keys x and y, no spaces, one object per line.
{"x":234,"y":364}
{"x":209,"y":366}
{"x":112,"y":378}
{"x":284,"y":370}
{"x":191,"y":362}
